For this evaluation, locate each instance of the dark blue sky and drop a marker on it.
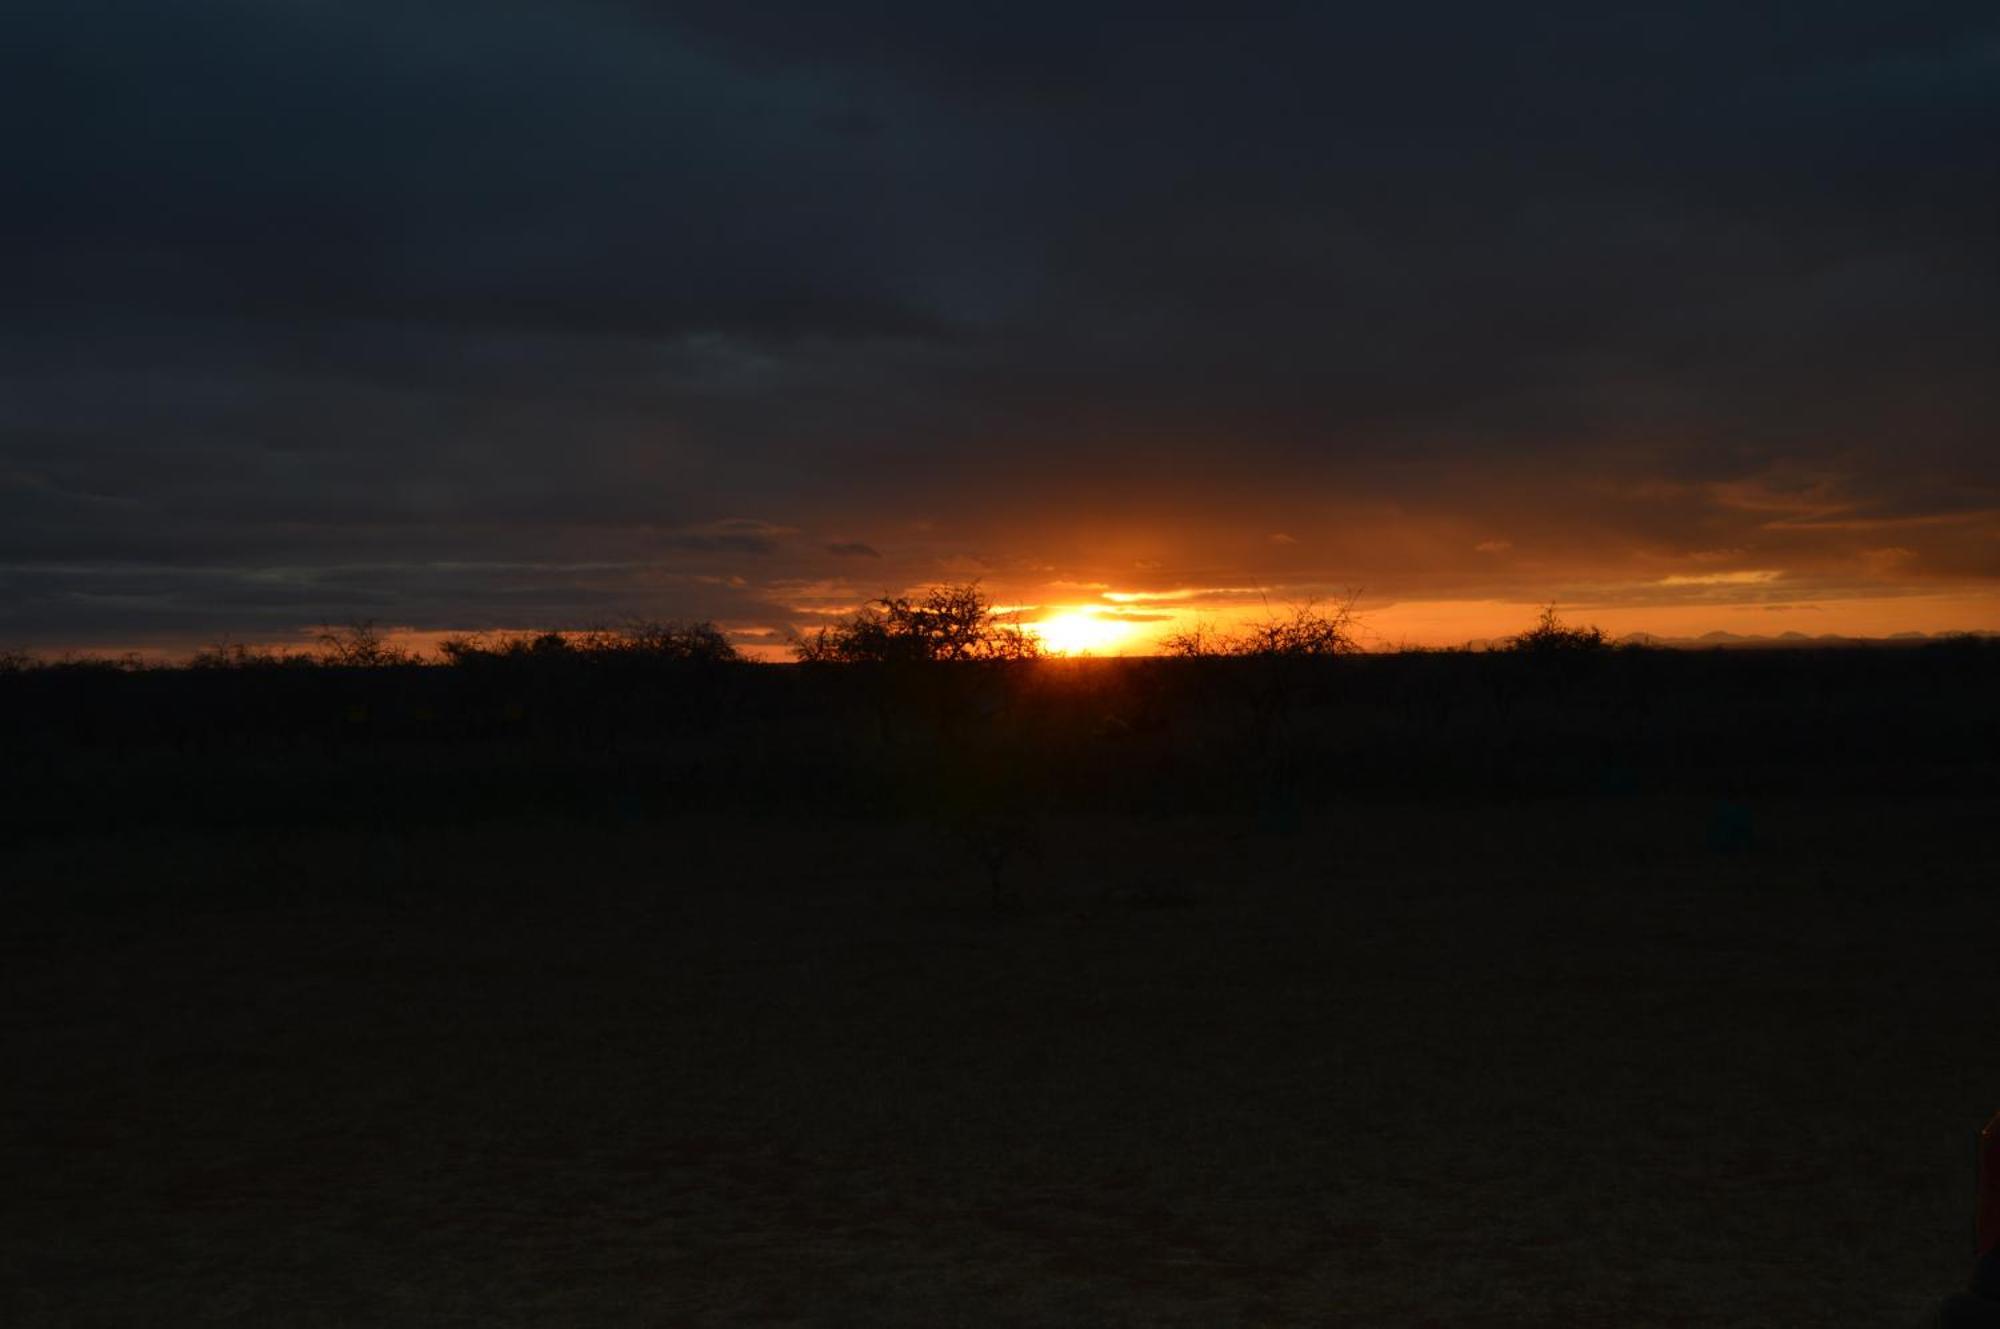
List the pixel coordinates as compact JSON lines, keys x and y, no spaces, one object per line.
{"x":517,"y":314}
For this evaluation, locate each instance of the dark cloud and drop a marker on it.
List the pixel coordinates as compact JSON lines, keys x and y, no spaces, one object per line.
{"x":1461,"y":298}
{"x":853,"y":549}
{"x":733,"y":536}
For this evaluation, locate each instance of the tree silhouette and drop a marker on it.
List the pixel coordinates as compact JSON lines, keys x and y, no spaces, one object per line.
{"x":1551,"y":636}
{"x":948,"y":623}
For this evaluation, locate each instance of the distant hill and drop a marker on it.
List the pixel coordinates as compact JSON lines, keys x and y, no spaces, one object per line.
{"x":1721,"y":640}
{"x":1737,"y":640}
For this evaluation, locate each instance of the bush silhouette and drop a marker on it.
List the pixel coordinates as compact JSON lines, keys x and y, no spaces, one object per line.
{"x":360,"y":646}
{"x":645,"y":642}
{"x":71,"y":663}
{"x":239,"y":655}
{"x":678,"y":642}
{"x":1307,"y":632}
{"x":948,"y":623}
{"x":1551,"y":636}
{"x":1274,"y":667}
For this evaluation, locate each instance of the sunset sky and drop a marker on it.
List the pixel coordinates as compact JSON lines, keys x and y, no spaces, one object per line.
{"x":508,"y":315}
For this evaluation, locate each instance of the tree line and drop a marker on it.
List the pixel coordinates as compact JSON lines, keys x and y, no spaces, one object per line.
{"x":952,"y":623}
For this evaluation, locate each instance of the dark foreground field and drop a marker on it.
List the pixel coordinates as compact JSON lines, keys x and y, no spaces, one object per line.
{"x":1566,"y":1060}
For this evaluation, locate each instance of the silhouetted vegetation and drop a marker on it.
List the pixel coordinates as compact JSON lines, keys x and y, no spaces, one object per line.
{"x":241,"y":655}
{"x":920,"y":709}
{"x":1273,"y":667}
{"x":647,"y":643}
{"x":950,"y":623}
{"x":1551,"y":636}
{"x":360,"y":646}
{"x":1304,"y":632}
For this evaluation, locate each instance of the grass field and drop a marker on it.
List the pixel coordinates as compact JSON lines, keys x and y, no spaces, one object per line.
{"x":1543,"y":1062}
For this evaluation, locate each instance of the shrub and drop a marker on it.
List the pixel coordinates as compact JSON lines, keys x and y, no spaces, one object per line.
{"x":238,"y":655}
{"x":1280,"y":663}
{"x":673,"y":641}
{"x":71,"y":663}
{"x":1307,"y":632}
{"x":479,"y":649}
{"x":359,"y":646}
{"x":1551,"y":636}
{"x":1199,"y":642}
{"x":644,"y":642}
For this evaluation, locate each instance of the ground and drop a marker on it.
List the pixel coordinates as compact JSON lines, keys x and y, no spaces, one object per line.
{"x":1559,"y":1062}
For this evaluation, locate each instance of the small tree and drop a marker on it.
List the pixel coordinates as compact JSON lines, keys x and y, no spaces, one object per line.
{"x":1551,"y":636}
{"x":948,"y":623}
{"x":360,"y":646}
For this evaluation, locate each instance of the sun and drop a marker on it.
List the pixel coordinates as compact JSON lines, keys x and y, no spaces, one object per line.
{"x":1077,"y":631}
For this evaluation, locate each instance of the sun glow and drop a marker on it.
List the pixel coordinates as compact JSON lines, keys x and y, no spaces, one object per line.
{"x":1081,"y":631}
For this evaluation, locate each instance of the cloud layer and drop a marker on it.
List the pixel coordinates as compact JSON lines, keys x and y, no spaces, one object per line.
{"x":519,"y":313}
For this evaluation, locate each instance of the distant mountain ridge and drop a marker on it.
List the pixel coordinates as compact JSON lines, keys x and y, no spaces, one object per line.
{"x":1721,"y":640}
{"x":1795,"y":638}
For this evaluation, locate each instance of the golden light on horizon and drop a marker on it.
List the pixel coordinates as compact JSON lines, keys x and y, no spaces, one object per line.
{"x":1081,"y":631}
